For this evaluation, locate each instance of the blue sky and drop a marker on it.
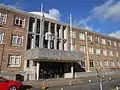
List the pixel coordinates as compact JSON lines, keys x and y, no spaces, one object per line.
{"x":98,"y":15}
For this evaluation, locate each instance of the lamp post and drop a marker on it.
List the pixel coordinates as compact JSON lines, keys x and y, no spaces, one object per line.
{"x":100,"y":79}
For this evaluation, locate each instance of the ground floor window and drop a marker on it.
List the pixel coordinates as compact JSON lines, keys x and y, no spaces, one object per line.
{"x":91,"y":63}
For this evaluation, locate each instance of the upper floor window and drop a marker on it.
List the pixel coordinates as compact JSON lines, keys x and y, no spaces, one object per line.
{"x":97,"y":51}
{"x":19,"y":21}
{"x":111,"y":63}
{"x":117,"y":54}
{"x":14,"y":61}
{"x":17,"y":40}
{"x":90,"y":50}
{"x":82,"y":48}
{"x":106,"y":63}
{"x":3,"y":18}
{"x":97,"y":40}
{"x":105,"y":52}
{"x":90,"y":37}
{"x":110,"y":53}
{"x":115,"y":44}
{"x":103,"y":41}
{"x":118,"y":44}
{"x":109,"y":42}
{"x":81,"y":36}
{"x":117,"y":63}
{"x":1,"y":37}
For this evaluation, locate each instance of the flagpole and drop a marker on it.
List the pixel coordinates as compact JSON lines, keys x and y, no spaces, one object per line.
{"x":71,"y":41}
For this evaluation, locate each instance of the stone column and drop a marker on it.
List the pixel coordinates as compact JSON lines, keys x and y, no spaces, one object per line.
{"x":38,"y":67}
{"x":55,"y":40}
{"x":61,"y":36}
{"x":72,"y":71}
{"x":49,"y":30}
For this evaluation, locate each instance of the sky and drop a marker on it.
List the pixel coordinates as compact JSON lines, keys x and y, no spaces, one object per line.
{"x":101,"y":16}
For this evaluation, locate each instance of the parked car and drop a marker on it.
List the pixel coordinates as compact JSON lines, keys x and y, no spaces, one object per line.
{"x":6,"y":84}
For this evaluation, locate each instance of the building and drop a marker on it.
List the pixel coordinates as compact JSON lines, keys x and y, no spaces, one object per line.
{"x":100,"y":51}
{"x":38,"y":47}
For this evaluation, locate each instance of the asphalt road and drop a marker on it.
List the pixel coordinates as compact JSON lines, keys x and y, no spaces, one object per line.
{"x":107,"y":85}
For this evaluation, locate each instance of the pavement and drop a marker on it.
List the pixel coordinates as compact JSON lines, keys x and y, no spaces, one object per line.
{"x":64,"y":82}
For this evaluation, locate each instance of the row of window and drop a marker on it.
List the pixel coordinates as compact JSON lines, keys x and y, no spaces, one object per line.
{"x":98,"y":51}
{"x":18,"y":21}
{"x":97,"y":39}
{"x":104,"y":63}
{"x":16,"y":40}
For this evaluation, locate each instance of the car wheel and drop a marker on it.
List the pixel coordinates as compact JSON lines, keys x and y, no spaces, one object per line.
{"x":13,"y":88}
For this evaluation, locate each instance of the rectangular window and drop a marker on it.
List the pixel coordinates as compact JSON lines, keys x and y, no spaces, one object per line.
{"x":19,"y":21}
{"x":103,"y":41}
{"x":81,"y":36}
{"x":28,"y":63}
{"x":106,"y":63}
{"x":117,"y":63}
{"x":109,"y":42}
{"x":3,"y":18}
{"x":91,"y":63}
{"x":111,"y":63}
{"x":105,"y":52}
{"x":97,"y":40}
{"x":110,"y":53}
{"x":17,"y":40}
{"x":90,"y":50}
{"x":1,"y":37}
{"x":82,"y":48}
{"x":118,"y":44}
{"x":115,"y":44}
{"x":97,"y":51}
{"x":14,"y":61}
{"x":90,"y":37}
{"x":117,"y":54}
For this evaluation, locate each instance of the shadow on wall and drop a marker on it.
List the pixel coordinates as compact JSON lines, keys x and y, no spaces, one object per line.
{"x":19,"y":77}
{"x":78,"y":68}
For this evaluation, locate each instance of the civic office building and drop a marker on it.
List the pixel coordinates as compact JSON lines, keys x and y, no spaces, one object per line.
{"x":38,"y":47}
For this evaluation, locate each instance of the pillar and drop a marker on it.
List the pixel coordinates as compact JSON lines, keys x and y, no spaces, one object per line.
{"x":49,"y":30}
{"x":38,"y":67}
{"x":55,"y":40}
{"x":72,"y":71}
{"x":61,"y":36}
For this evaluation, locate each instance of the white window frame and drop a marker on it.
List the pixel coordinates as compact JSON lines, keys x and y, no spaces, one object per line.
{"x":117,"y":54}
{"x":103,"y":41}
{"x":90,"y":50}
{"x":105,"y":52}
{"x":117,"y":63}
{"x":15,"y":39}
{"x":82,"y":48}
{"x":1,"y":37}
{"x":82,"y":36}
{"x":3,"y":18}
{"x":110,"y":53}
{"x":97,"y":40}
{"x":19,"y":19}
{"x":115,"y":44}
{"x":112,"y":63}
{"x":90,"y":37}
{"x":106,"y":63}
{"x":109,"y":42}
{"x":98,"y":51}
{"x":13,"y":61}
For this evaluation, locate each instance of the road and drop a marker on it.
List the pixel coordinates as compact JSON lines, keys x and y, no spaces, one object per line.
{"x":107,"y":85}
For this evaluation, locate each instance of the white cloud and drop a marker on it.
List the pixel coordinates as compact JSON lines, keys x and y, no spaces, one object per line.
{"x":55,"y":12}
{"x":115,"y":34}
{"x":110,"y":10}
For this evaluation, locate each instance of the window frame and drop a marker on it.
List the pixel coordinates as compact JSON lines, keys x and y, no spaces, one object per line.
{"x":16,"y":42}
{"x":82,"y":36}
{"x":19,"y":19}
{"x":3,"y":21}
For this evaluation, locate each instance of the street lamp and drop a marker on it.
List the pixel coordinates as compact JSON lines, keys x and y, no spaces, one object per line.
{"x":100,"y":79}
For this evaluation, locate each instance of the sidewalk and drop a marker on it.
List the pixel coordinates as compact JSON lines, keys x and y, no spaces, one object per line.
{"x":63,"y":81}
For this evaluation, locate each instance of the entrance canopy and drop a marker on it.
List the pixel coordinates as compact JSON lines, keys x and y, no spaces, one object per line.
{"x":44,"y":53}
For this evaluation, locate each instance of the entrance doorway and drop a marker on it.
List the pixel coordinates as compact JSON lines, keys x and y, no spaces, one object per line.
{"x":52,"y":70}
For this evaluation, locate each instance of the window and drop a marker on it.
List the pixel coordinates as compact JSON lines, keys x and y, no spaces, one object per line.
{"x":91,"y":63}
{"x":111,"y":63}
{"x":19,"y":21}
{"x":34,"y":63}
{"x":28,"y":63}
{"x":117,"y":63}
{"x":110,"y":53}
{"x":83,"y":63}
{"x":1,"y":37}
{"x":103,"y":41}
{"x":90,"y":37}
{"x":98,"y":63}
{"x":109,"y":42}
{"x":117,"y":54}
{"x":101,"y":64}
{"x":105,"y":52}
{"x":106,"y":63}
{"x":118,"y":44}
{"x":3,"y":18}
{"x":115,"y":44}
{"x":90,"y":50}
{"x":14,"y":61}
{"x":82,"y":48}
{"x":81,"y":36}
{"x":17,"y":40}
{"x":97,"y":40}
{"x":98,"y":51}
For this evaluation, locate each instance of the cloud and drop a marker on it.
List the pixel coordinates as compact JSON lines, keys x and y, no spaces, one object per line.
{"x":115,"y":34}
{"x":55,"y":12}
{"x":110,"y":10}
